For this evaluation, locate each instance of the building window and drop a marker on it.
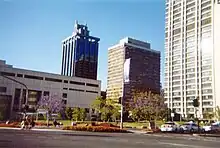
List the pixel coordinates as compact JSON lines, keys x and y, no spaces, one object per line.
{"x":76,"y":90}
{"x":190,"y":27}
{"x":64,"y":95}
{"x":92,"y":85}
{"x":16,"y":99}
{"x":65,"y":81}
{"x":3,"y":89}
{"x":7,"y":74}
{"x":65,"y":88}
{"x":64,"y":102}
{"x":19,"y":75}
{"x":92,"y":91}
{"x":46,"y":93}
{"x":77,"y":83}
{"x":33,"y":77}
{"x":206,"y":21}
{"x":53,"y":80}
{"x":24,"y":96}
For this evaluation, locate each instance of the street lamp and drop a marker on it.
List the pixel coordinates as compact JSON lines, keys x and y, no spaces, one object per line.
{"x":16,"y":81}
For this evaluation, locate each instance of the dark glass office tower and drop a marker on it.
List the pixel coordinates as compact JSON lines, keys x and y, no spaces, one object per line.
{"x":80,"y":54}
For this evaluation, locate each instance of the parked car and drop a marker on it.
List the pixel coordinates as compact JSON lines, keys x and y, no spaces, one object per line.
{"x":191,"y":127}
{"x":170,"y":127}
{"x":214,"y":127}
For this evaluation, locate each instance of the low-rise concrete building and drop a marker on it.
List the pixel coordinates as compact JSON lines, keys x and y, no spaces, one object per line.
{"x":74,"y":91}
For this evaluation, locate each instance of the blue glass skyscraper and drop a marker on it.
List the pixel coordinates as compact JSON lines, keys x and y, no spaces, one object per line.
{"x":80,"y":54}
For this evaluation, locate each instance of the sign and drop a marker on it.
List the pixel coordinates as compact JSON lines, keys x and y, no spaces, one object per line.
{"x":172,"y":114}
{"x":126,"y":70}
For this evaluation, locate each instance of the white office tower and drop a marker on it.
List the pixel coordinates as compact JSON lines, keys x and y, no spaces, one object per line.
{"x":192,"y":56}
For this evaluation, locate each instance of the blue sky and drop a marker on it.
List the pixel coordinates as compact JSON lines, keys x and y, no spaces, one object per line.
{"x":31,"y":31}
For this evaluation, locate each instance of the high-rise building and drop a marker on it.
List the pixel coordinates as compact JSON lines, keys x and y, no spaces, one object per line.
{"x":144,"y":68}
{"x":192,"y":52}
{"x":80,"y":54}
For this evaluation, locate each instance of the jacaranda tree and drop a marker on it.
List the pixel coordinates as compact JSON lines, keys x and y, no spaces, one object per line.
{"x":53,"y":104}
{"x":148,"y":106}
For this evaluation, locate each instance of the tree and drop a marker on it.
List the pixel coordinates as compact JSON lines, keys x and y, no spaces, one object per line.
{"x":79,"y":114}
{"x":69,"y":113}
{"x":217,"y":113}
{"x":82,"y":114}
{"x":108,"y":108}
{"x":148,"y":106}
{"x":76,"y":114}
{"x":98,"y":104}
{"x":115,"y":113}
{"x":53,"y":104}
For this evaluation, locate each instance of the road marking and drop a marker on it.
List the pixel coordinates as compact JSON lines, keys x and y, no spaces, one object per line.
{"x":182,"y":145}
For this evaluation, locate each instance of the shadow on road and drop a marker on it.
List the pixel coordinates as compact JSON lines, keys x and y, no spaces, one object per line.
{"x":83,"y":135}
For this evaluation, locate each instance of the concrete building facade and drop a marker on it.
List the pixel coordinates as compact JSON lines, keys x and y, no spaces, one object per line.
{"x":80,"y":54}
{"x":144,"y":68}
{"x":192,"y":52}
{"x":74,"y":91}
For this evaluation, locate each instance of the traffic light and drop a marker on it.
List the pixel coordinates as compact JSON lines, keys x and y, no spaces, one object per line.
{"x":196,"y":102}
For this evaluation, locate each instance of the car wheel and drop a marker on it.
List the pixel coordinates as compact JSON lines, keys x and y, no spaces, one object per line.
{"x":192,"y":130}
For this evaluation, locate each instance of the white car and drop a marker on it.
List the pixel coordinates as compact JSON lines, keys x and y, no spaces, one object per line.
{"x":214,"y":127}
{"x":170,"y":127}
{"x":191,"y":127}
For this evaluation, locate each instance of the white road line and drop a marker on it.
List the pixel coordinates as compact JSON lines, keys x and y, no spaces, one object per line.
{"x":182,"y":145}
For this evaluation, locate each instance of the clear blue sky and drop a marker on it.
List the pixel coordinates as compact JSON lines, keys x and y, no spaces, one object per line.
{"x":31,"y":31}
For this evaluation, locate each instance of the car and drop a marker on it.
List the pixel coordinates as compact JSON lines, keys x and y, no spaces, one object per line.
{"x":191,"y":127}
{"x":170,"y":127}
{"x":214,"y":127}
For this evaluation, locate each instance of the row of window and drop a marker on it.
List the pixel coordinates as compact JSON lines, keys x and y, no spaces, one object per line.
{"x":80,"y":90}
{"x":49,"y":79}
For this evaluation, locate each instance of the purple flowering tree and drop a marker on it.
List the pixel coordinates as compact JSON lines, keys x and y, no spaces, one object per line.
{"x":53,"y":104}
{"x":148,"y":106}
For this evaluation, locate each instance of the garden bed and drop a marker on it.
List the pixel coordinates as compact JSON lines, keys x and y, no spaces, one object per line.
{"x":95,"y":129}
{"x":12,"y":125}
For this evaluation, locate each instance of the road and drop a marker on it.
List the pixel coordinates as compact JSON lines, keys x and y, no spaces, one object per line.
{"x":52,"y":139}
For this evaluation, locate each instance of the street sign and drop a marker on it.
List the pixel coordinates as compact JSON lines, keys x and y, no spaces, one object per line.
{"x":172,"y":114}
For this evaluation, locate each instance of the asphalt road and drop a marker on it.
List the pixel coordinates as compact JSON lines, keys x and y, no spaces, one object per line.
{"x":52,"y":139}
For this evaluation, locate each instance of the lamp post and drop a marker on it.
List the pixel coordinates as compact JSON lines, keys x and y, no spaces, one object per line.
{"x":26,"y":95}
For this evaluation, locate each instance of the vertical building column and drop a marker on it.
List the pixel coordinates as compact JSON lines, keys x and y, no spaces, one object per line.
{"x":65,"y":59}
{"x":196,"y":54}
{"x":62,"y":68}
{"x":171,"y":55}
{"x":74,"y":59}
{"x":198,"y":41}
{"x":71,"y":58}
{"x":184,"y":59}
{"x":168,"y":58}
{"x":68,"y":58}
